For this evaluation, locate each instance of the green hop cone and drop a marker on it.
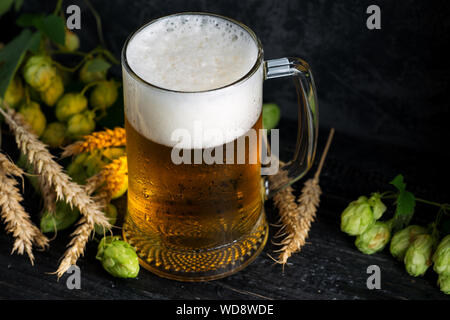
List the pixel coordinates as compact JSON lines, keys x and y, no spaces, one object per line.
{"x":357,"y":217}
{"x":14,"y":93}
{"x":81,"y":124}
{"x":375,"y":238}
{"x":113,"y":153}
{"x":118,"y":257}
{"x":29,"y":168}
{"x":72,"y":42}
{"x":38,"y":72}
{"x":377,"y":205}
{"x":54,"y":92}
{"x":444,"y":283}
{"x":34,"y":117}
{"x":441,"y":258}
{"x":403,"y":238}
{"x":418,"y":256}
{"x":87,"y":76}
{"x":54,"y":134}
{"x":63,"y":217}
{"x":104,"y":95}
{"x":77,"y":170}
{"x":271,"y":115}
{"x":111,"y":214}
{"x":70,"y":104}
{"x":93,"y":164}
{"x":85,"y":165}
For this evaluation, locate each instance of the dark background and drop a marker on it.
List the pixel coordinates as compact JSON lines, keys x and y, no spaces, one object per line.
{"x":386,"y":93}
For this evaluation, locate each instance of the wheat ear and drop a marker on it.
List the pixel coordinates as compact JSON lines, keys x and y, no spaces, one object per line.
{"x":80,"y":237}
{"x":45,"y":165}
{"x":97,"y":140}
{"x":296,"y":218}
{"x":71,"y":192}
{"x":17,"y":220}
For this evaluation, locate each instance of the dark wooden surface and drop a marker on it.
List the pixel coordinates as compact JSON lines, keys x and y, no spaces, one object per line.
{"x":328,"y":267}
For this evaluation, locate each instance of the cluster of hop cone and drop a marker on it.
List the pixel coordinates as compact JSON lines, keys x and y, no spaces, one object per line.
{"x":38,"y":93}
{"x":416,"y":246}
{"x":85,"y":203}
{"x":44,"y":114}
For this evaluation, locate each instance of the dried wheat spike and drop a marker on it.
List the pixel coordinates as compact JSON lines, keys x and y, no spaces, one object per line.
{"x":9,"y":167}
{"x":17,"y":220}
{"x":296,"y":216}
{"x":80,"y":237}
{"x":97,"y":140}
{"x":44,"y":164}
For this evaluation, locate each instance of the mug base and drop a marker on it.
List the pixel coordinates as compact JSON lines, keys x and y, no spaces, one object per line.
{"x":200,"y":265}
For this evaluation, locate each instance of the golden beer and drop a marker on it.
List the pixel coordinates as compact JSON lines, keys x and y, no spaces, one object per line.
{"x":191,"y":207}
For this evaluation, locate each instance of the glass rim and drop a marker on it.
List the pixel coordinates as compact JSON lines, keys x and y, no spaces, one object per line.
{"x":253,"y":69}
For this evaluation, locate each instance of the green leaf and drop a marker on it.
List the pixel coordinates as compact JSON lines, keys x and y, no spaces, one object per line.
{"x":11,"y":57}
{"x":405,"y":208}
{"x":98,"y":64}
{"x":18,"y":5}
{"x":35,"y":41}
{"x":53,"y":27}
{"x":398,"y":182}
{"x":29,"y":19}
{"x":5,"y":5}
{"x":405,"y":204}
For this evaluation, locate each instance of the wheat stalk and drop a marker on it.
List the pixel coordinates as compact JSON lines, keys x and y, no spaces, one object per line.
{"x":296,"y":217}
{"x":97,"y":140}
{"x":17,"y":220}
{"x":46,"y":166}
{"x":80,"y":237}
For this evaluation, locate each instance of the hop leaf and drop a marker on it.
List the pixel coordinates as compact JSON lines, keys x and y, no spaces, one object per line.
{"x":405,"y":204}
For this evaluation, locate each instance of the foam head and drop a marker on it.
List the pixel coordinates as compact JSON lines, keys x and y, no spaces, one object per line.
{"x":192,"y":54}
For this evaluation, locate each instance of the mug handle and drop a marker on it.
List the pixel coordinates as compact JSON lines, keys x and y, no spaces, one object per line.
{"x":307,"y":125}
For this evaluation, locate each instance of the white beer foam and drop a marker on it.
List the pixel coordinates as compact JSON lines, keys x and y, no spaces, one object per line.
{"x":192,"y":53}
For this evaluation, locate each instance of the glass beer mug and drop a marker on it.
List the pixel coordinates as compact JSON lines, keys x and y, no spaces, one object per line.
{"x":193,"y":85}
